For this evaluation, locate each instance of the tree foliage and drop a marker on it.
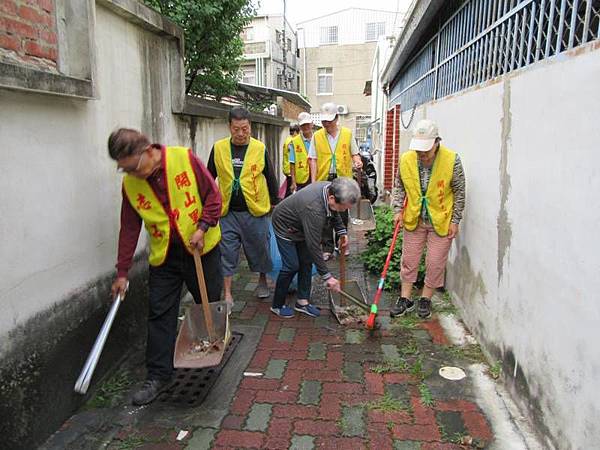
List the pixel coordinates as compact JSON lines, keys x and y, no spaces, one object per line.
{"x":213,"y":46}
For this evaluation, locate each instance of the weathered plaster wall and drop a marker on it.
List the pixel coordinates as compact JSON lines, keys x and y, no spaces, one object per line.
{"x":61,"y":196}
{"x":525,"y":266}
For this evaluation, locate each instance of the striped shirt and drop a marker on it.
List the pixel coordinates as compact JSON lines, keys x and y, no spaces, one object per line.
{"x":457,"y":184}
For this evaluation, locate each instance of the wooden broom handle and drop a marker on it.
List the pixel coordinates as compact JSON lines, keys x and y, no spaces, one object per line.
{"x":204,"y":296}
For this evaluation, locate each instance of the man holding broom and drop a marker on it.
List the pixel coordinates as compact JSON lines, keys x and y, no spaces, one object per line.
{"x":172,"y":192}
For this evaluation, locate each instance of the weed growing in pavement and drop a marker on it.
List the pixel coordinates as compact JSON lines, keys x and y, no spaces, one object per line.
{"x":417,"y":369}
{"x":410,"y":348}
{"x":426,"y":397}
{"x":443,"y":303}
{"x":111,"y":391}
{"x":496,"y":370}
{"x":135,"y":440}
{"x":390,"y":425}
{"x":471,"y":353}
{"x":391,"y":365}
{"x":387,"y":403}
{"x":406,"y":322}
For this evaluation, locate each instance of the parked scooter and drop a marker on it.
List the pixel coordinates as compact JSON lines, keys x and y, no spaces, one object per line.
{"x":367,"y":177}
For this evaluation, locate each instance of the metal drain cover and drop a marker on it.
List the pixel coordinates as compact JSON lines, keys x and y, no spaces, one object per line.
{"x":191,"y":386}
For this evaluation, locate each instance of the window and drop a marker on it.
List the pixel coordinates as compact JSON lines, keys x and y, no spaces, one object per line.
{"x":329,"y":35}
{"x":248,"y":34}
{"x":289,"y":45}
{"x":249,"y":76}
{"x":374,"y":30}
{"x":325,"y":81}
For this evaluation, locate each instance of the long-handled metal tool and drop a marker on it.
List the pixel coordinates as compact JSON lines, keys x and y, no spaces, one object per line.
{"x":371,"y":320}
{"x":356,"y":301}
{"x":340,"y":308}
{"x":204,"y":333}
{"x":83,"y":382}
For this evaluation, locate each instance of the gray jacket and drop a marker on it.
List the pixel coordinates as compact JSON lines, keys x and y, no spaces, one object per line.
{"x":302,"y":217}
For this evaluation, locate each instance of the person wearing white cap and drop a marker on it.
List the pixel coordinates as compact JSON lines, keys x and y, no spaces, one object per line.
{"x":333,"y":152}
{"x":286,"y":168}
{"x":429,"y":200}
{"x":298,"y":153}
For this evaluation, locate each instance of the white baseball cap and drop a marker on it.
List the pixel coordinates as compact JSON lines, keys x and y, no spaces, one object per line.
{"x":304,"y":118}
{"x":328,"y":111}
{"x":424,"y":136}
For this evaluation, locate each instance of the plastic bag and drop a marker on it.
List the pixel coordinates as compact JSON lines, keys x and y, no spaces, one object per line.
{"x":277,"y":263}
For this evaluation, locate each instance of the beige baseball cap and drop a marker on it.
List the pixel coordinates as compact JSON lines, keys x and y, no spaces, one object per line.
{"x":424,"y":135}
{"x":328,"y":111}
{"x":304,"y":118}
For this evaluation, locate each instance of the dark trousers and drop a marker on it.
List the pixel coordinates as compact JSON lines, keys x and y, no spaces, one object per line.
{"x":327,"y":240}
{"x":165,"y":285}
{"x":295,"y":259}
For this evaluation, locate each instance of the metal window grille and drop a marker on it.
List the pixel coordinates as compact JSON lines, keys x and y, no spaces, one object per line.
{"x":325,"y":80}
{"x":374,"y":30}
{"x":329,"y":35}
{"x":485,"y":39}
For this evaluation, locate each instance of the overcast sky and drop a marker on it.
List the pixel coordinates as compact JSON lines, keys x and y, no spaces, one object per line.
{"x":301,"y":10}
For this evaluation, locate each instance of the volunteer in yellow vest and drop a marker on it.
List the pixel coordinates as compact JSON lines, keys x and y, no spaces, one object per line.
{"x":298,"y":151}
{"x":285,"y":166}
{"x":248,"y":185}
{"x":174,"y":195}
{"x":333,"y":152}
{"x":429,"y":199}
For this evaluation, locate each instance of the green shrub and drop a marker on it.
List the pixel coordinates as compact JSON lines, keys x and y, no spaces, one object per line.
{"x":378,"y":246}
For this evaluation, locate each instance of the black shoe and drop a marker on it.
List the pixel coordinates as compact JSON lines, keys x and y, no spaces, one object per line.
{"x":424,"y":310}
{"x":403,"y":305}
{"x":149,"y":391}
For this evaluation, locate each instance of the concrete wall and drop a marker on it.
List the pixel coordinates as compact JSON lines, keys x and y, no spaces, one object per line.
{"x":61,"y":198}
{"x":351,"y":68}
{"x":525,"y":266}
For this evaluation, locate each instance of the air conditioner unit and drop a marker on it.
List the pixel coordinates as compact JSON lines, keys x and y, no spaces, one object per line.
{"x":342,"y":109}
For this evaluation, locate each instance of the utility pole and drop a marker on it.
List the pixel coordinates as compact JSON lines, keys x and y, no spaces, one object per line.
{"x":284,"y":46}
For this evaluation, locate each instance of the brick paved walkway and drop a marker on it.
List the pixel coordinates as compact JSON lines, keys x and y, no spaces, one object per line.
{"x":322,"y":386}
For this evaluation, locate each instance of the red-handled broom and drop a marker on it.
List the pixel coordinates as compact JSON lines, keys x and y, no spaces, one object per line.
{"x":373,"y":314}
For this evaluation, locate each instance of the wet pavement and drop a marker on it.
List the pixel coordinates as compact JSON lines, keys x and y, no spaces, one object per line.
{"x":305,"y":383}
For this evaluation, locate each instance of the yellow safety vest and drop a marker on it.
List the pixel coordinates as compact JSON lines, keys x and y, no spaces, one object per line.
{"x":439,"y":198}
{"x":301,"y":162}
{"x":252,"y":180}
{"x":343,"y":155}
{"x":286,"y":156}
{"x":185,"y":206}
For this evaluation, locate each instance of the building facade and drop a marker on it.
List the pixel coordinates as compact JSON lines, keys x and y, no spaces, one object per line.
{"x":337,"y":52}
{"x":271,"y":54}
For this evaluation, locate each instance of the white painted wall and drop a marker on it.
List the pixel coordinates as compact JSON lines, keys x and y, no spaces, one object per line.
{"x":538,"y":300}
{"x":59,"y":191}
{"x":351,"y":24}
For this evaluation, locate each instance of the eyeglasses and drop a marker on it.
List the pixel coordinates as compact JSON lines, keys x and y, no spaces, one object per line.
{"x":127,"y":170}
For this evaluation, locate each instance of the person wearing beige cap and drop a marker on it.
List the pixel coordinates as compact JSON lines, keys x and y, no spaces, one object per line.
{"x":298,"y":153}
{"x":333,"y":152}
{"x":429,"y":199}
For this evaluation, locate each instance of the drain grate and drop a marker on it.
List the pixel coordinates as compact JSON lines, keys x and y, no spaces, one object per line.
{"x":191,"y":386}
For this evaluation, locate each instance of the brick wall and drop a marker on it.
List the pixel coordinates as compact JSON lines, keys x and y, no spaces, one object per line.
{"x":392,"y":146}
{"x":28,"y":33}
{"x":290,"y":110}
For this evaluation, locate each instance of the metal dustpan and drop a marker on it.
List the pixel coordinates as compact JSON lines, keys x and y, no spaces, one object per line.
{"x":361,"y":216}
{"x":350,"y":305}
{"x":204,"y":333}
